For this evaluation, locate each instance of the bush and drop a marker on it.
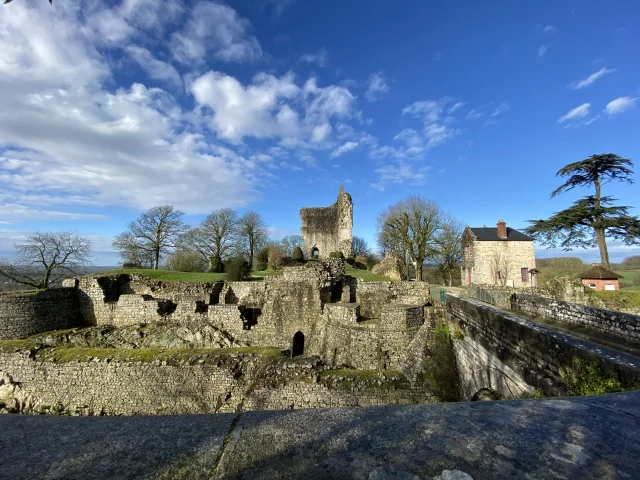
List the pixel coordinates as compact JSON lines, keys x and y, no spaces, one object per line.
{"x":351,"y":261}
{"x":276,"y":253}
{"x":337,"y":254}
{"x":297,"y":254}
{"x":216,"y":265}
{"x":182,"y":261}
{"x":237,"y":269}
{"x":263,"y":256}
{"x":260,"y":266}
{"x":360,"y":266}
{"x":289,"y":262}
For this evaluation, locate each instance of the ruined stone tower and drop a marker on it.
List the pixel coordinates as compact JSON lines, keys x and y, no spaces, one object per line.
{"x":328,"y":229}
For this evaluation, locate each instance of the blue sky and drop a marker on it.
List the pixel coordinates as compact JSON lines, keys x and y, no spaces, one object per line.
{"x":110,"y":108}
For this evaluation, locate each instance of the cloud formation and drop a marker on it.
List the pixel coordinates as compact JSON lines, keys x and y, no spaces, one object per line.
{"x":591,"y":78}
{"x":580,"y":111}
{"x":377,"y":87}
{"x":620,"y":104}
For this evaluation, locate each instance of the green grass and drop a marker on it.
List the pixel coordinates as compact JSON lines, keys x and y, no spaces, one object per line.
{"x":615,"y":300}
{"x":365,"y":275}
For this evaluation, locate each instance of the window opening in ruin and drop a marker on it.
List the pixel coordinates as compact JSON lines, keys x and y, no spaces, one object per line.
{"x":297,"y":348}
{"x":315,"y":253}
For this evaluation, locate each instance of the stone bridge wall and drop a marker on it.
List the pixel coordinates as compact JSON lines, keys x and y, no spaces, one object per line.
{"x":22,"y":315}
{"x":623,"y":325}
{"x":516,"y":350}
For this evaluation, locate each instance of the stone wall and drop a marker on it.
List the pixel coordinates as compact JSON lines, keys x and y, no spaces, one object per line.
{"x":621,"y":325}
{"x":221,"y":383}
{"x":536,"y":354}
{"x":22,"y":315}
{"x":328,"y":229}
{"x":373,"y":295}
{"x":509,"y":256}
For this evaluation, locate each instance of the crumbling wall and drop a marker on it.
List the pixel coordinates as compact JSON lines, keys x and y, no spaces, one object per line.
{"x":204,"y":384}
{"x":22,"y":315}
{"x":328,"y":229}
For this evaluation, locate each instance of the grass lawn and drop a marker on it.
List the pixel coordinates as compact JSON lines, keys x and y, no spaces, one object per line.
{"x":365,"y":275}
{"x":629,"y":275}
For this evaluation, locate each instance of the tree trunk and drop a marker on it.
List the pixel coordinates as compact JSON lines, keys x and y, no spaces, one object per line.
{"x":250,"y":254}
{"x":602,"y":245}
{"x":156,"y":258}
{"x":418,"y":268}
{"x":450,"y":278}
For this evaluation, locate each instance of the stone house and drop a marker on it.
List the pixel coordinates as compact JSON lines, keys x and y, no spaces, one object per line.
{"x":599,"y":278}
{"x":498,"y":256}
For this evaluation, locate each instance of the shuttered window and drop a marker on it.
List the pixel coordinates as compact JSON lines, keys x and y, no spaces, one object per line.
{"x":524,"y":274}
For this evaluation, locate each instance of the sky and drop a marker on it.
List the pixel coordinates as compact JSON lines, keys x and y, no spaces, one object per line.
{"x":109,"y":108}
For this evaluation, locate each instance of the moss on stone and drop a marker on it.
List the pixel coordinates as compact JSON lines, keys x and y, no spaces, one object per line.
{"x":588,"y":378}
{"x":440,"y":364}
{"x":13,"y":345}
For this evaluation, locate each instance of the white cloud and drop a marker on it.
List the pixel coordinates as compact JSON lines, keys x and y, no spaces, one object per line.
{"x":214,"y":30}
{"x":549,"y":29}
{"x":620,"y":104}
{"x":474,"y":115}
{"x":342,"y":149}
{"x":377,"y":87}
{"x":155,"y":68}
{"x":279,"y":6}
{"x":457,"y":106}
{"x":542,"y":50}
{"x":321,"y":58}
{"x":503,"y":107}
{"x":402,"y":173}
{"x":580,"y":111}
{"x":438,"y":56}
{"x":591,"y":78}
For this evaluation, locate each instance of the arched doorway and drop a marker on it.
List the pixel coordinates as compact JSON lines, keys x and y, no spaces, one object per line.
{"x":297,"y":348}
{"x":315,"y":253}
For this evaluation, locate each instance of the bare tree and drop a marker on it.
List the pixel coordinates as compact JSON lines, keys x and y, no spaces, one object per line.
{"x":252,"y":231}
{"x":411,"y":228}
{"x":154,"y":232}
{"x":131,"y":250}
{"x":360,"y":247}
{"x":291,"y":242}
{"x":216,"y":237}
{"x":449,"y":245}
{"x":47,"y":257}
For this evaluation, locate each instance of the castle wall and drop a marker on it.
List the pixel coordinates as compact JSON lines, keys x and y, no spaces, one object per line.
{"x":328,"y":229}
{"x":22,"y":315}
{"x":220,"y":383}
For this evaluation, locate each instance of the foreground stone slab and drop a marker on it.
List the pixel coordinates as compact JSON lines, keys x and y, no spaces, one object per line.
{"x":579,"y":437}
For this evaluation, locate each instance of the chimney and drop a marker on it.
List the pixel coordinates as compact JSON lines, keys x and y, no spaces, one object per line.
{"x":502,"y":229}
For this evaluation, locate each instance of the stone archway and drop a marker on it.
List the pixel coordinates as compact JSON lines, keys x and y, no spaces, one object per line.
{"x":315,"y":253}
{"x":297,"y":347}
{"x":486,"y":394}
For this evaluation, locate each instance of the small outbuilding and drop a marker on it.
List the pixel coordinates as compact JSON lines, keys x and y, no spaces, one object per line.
{"x":600,"y":278}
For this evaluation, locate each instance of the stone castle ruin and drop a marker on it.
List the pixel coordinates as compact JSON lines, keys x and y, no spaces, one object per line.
{"x":328,"y":229}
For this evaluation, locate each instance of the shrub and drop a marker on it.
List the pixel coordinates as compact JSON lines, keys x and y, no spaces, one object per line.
{"x":351,"y":261}
{"x":216,"y":265}
{"x":288,"y":262}
{"x":337,"y":254}
{"x":297,"y":254}
{"x":275,"y":256}
{"x":360,"y":266}
{"x":260,"y":266}
{"x":263,"y":255}
{"x":236,"y":269}
{"x":182,"y":261}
